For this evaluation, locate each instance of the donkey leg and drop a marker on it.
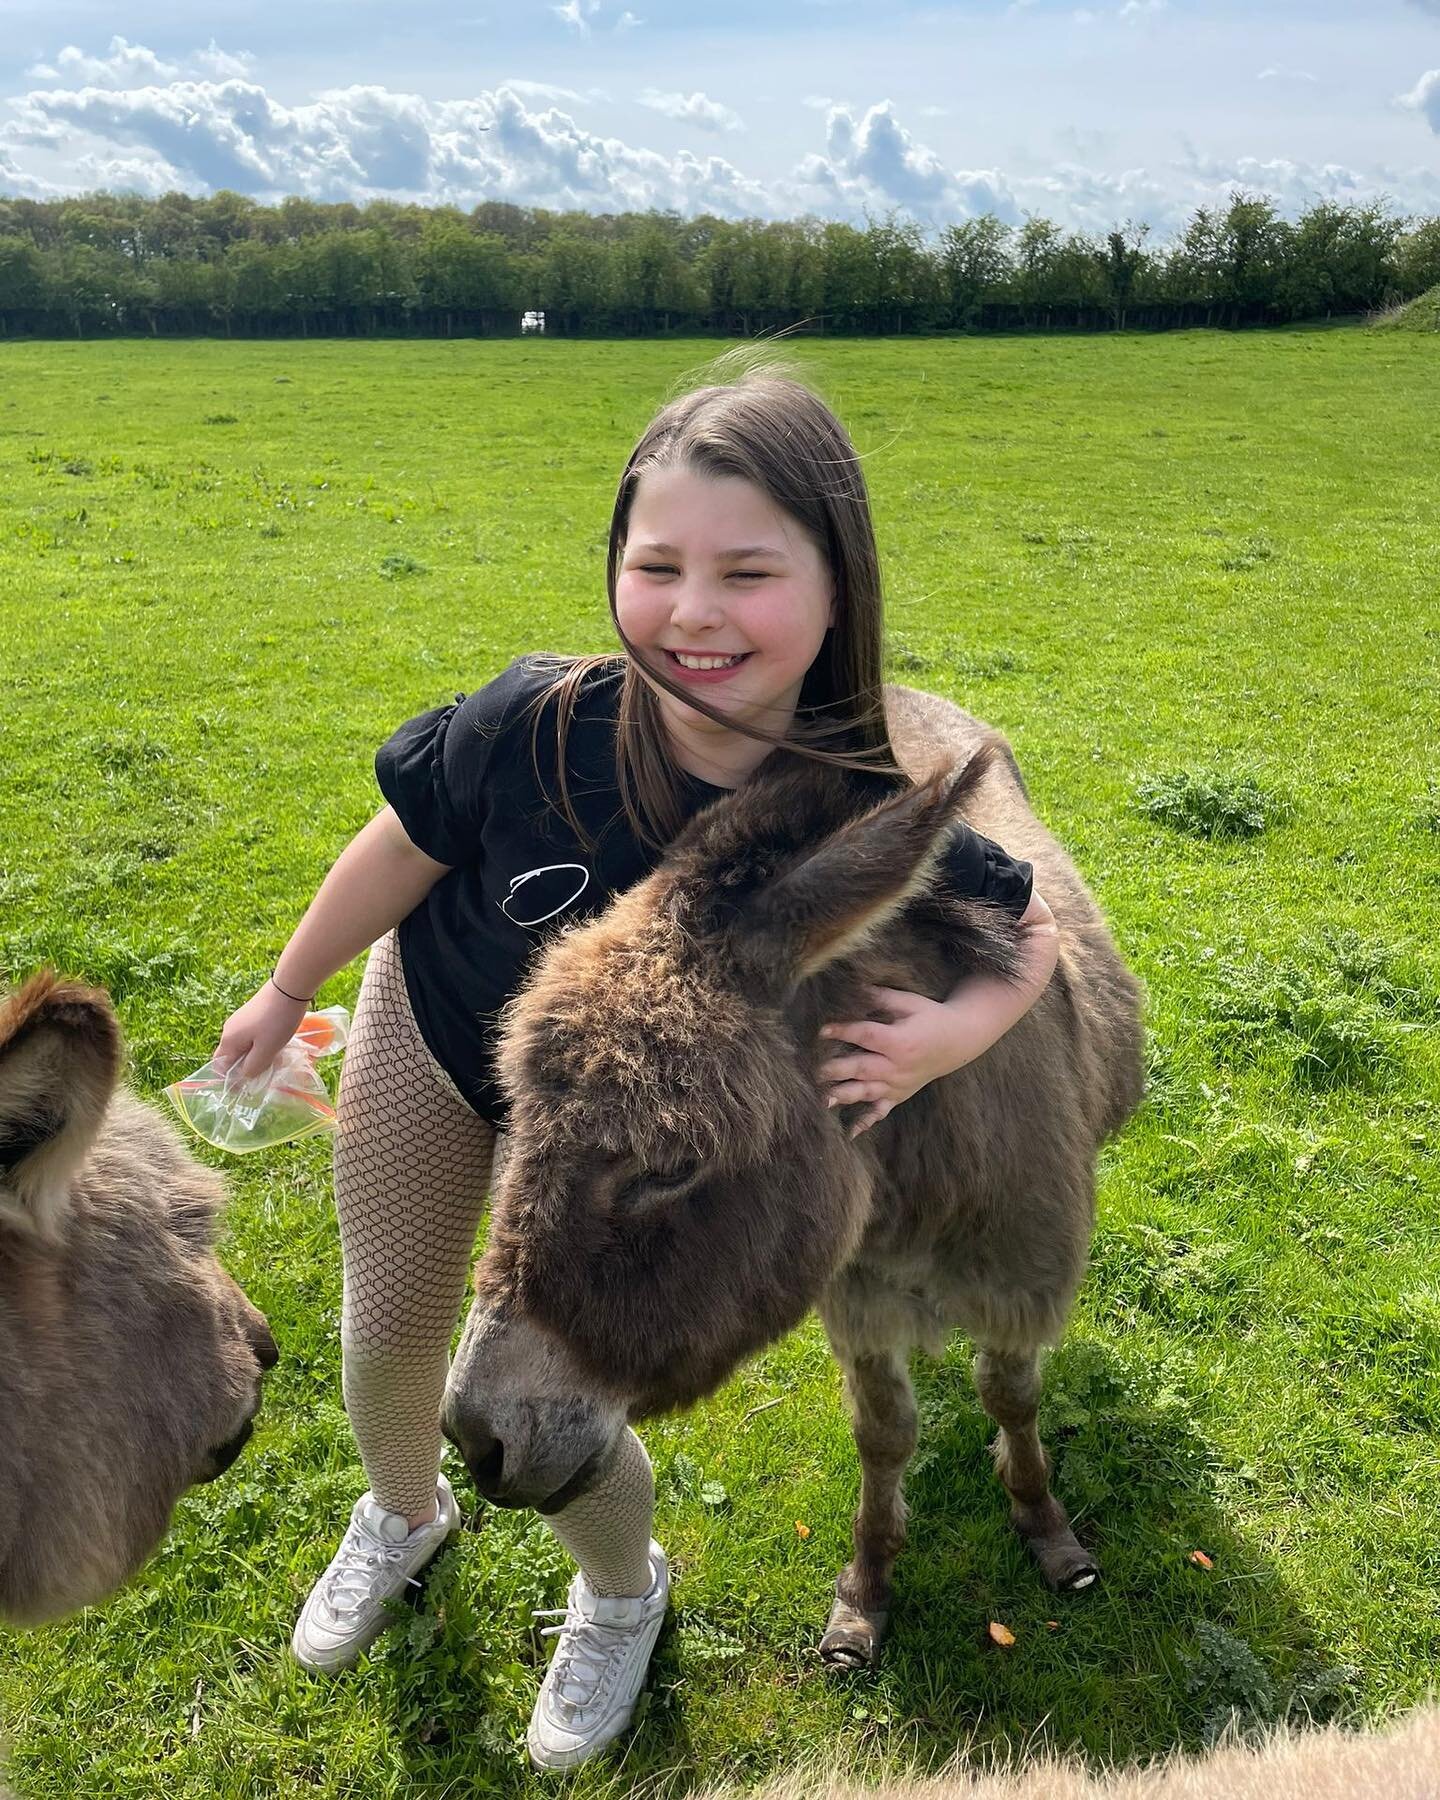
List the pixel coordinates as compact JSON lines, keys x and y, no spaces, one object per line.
{"x":1009,"y":1387}
{"x":882,"y":1407}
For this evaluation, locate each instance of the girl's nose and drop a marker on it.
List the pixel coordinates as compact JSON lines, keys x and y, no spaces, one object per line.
{"x":695,"y":605}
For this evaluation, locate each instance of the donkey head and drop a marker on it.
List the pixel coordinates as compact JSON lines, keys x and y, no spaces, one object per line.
{"x":676,"y":1194}
{"x":130,"y":1362}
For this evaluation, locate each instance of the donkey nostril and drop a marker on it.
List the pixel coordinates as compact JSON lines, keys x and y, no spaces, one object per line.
{"x":486,"y":1469}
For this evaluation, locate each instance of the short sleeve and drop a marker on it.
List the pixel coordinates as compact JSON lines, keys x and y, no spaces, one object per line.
{"x":975,"y":868}
{"x":435,"y":770}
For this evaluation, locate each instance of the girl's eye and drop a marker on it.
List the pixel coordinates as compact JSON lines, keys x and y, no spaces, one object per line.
{"x":748,"y":574}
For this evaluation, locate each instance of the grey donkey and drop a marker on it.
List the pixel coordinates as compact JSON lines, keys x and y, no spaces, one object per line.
{"x":675,"y":1194}
{"x":130,"y":1361}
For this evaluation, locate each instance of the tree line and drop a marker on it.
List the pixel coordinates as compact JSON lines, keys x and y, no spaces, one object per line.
{"x":224,"y":264}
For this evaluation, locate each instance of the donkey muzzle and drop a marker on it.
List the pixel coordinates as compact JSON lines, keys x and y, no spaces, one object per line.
{"x":512,"y":1472}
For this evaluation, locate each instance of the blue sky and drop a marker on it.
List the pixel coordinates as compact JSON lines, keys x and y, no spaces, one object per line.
{"x":1090,"y":113}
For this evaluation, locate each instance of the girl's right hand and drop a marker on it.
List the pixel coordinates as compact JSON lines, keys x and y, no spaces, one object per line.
{"x":257,"y":1032}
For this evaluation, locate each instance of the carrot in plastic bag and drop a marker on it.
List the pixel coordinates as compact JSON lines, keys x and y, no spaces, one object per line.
{"x":284,"y":1102}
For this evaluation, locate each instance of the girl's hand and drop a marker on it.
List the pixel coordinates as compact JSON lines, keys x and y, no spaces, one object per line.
{"x":892,"y":1061}
{"x":256,"y":1034}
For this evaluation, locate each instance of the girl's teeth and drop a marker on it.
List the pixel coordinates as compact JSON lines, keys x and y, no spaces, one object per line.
{"x":705,"y":662}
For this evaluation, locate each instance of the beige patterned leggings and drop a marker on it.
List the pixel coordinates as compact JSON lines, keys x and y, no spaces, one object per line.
{"x":412,"y":1174}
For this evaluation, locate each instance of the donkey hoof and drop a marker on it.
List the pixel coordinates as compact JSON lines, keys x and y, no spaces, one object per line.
{"x":852,"y":1639}
{"x":1067,"y":1568}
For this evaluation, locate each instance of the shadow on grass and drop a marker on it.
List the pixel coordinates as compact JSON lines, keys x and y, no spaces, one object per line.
{"x":1164,"y":1652}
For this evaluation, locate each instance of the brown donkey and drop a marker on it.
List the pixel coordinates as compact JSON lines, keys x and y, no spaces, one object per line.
{"x":130,"y":1362}
{"x":676,"y":1195}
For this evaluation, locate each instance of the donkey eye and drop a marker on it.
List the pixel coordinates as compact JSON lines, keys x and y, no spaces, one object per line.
{"x":650,"y":1187}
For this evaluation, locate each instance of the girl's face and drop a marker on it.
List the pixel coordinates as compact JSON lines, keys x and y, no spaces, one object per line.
{"x":714,"y":569}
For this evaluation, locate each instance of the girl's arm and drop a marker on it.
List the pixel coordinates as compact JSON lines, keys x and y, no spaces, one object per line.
{"x":376,"y":880}
{"x":929,"y":1038}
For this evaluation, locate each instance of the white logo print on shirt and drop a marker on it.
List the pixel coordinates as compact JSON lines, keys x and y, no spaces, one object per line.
{"x":518,"y":881}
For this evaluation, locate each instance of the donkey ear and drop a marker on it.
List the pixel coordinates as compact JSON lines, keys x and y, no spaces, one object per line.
{"x":60,"y":1051}
{"x":828,"y":905}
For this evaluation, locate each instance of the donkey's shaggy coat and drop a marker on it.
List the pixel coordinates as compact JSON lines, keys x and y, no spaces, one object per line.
{"x":130,"y":1362}
{"x":677,"y":1195}
{"x":1401,"y":1762}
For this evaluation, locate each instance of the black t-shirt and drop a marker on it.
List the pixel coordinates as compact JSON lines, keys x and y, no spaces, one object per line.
{"x":462,"y":782}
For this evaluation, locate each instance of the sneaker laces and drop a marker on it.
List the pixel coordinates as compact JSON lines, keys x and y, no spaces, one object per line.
{"x":351,"y":1578}
{"x":586,"y":1658}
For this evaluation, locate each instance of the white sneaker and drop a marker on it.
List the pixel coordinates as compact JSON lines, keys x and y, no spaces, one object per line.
{"x":589,"y":1692}
{"x":379,"y":1556}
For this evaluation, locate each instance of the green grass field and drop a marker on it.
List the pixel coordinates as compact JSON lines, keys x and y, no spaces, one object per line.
{"x":1194,"y":579}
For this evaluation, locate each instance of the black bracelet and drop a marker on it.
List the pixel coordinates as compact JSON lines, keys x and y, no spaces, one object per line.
{"x":295,"y":997}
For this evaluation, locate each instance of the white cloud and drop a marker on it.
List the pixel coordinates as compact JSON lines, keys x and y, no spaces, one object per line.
{"x":1084,"y":16}
{"x":696,"y":109}
{"x":627,"y":21}
{"x":15,"y":181}
{"x":519,"y":141}
{"x":360,"y":142}
{"x":222,"y":63}
{"x":1143,"y":9}
{"x":1286,"y":75}
{"x":124,"y":66}
{"x":547,"y":90}
{"x":820,"y":102}
{"x":149,"y":175}
{"x":1424,"y":97}
{"x":877,"y":162}
{"x":1295,"y":185}
{"x":577,"y":13}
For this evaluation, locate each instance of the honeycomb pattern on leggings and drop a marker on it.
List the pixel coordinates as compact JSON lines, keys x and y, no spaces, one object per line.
{"x":413,"y":1163}
{"x":412,"y":1170}
{"x":607,"y":1529}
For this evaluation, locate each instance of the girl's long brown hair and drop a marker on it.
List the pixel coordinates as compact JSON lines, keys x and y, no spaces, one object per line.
{"x":769,"y":428}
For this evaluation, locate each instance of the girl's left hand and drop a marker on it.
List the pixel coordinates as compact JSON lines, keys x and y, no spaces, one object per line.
{"x":892,"y":1061}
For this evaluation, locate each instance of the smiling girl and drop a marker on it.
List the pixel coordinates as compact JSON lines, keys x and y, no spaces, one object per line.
{"x":745,"y":590}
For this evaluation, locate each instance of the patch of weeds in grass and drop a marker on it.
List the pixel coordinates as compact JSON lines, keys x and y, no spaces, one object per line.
{"x":1253,"y":551}
{"x":906,"y":657}
{"x":397,"y":565}
{"x":1146,"y":1272}
{"x":983,"y":665}
{"x":686,"y":1481}
{"x":85,"y":954}
{"x":698,"y":1641}
{"x":127,"y":752}
{"x":220,"y":418}
{"x":1333,"y":1036}
{"x":1119,"y":1430}
{"x":1428,"y":817}
{"x":1211,"y":803}
{"x":271,"y":530}
{"x":1232,"y":1686}
{"x":1394,"y":981}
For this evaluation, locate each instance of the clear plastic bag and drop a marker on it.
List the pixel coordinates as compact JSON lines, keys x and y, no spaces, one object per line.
{"x":284,"y":1102}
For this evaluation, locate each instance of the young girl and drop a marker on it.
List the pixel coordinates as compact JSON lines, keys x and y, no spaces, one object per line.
{"x":744,"y":587}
